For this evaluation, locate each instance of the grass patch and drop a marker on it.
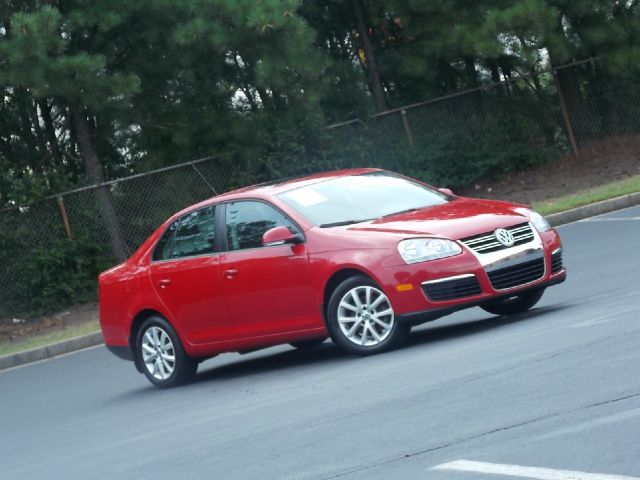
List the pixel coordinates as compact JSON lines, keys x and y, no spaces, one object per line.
{"x":592,"y":195}
{"x":45,"y":339}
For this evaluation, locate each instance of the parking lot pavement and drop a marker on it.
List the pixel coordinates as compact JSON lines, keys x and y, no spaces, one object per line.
{"x":556,"y":389}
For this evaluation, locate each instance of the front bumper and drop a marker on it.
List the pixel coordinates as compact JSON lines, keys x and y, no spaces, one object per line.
{"x":444,"y":286}
{"x":416,"y":318}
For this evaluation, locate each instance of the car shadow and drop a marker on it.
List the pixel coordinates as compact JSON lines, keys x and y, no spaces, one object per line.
{"x":329,"y":353}
{"x":436,"y":333}
{"x":326,"y":353}
{"x":294,"y":358}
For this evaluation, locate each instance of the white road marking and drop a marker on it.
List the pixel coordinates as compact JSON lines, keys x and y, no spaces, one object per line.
{"x":588,"y":425}
{"x":610,"y":219}
{"x":526,"y":472}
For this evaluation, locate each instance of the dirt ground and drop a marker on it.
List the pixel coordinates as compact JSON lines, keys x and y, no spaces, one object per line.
{"x":20,"y":329}
{"x":599,"y":163}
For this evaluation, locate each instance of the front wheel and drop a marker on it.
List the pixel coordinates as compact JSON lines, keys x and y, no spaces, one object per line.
{"x":361,"y":319}
{"x":513,"y":304}
{"x":161,"y":355}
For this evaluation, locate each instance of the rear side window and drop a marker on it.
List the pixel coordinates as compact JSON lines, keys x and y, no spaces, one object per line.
{"x":196,"y":234}
{"x":193,"y":234}
{"x":163,"y":248}
{"x":247,"y":221}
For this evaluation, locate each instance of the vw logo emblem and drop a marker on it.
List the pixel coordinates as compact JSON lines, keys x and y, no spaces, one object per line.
{"x":505,"y":237}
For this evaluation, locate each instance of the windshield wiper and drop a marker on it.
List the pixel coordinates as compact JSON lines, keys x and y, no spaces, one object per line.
{"x":344,"y":222}
{"x":408,"y":210}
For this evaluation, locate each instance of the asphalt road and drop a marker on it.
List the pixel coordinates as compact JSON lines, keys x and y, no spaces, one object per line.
{"x":555,"y":388}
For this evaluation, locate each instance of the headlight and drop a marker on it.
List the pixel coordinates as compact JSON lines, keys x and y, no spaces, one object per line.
{"x":539,"y":221}
{"x":416,"y":250}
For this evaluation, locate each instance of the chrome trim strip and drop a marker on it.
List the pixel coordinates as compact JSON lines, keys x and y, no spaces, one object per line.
{"x":515,"y":259}
{"x":512,"y":255}
{"x":557,"y":250}
{"x":447,"y":279}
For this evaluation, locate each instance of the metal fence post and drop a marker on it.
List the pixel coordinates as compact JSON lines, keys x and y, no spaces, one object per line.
{"x":566,"y":118}
{"x":193,"y":165}
{"x":65,"y":217}
{"x":407,"y":130}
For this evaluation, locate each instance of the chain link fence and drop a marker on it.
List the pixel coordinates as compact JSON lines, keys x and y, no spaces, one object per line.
{"x":459,"y":138}
{"x":52,"y":251}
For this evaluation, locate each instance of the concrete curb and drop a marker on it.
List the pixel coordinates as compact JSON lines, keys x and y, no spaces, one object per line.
{"x":49,"y":351}
{"x":93,"y":339}
{"x":594,"y":209}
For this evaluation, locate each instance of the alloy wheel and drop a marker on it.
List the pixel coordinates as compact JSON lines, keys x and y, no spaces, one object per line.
{"x":158,"y":353}
{"x":365,"y":316}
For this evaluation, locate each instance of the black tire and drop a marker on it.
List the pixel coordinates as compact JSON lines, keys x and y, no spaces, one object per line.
{"x":513,"y":304}
{"x":156,"y":365}
{"x":390,"y":336}
{"x":306,"y":344}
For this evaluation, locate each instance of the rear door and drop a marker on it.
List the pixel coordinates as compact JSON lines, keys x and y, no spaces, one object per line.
{"x":267,"y":289}
{"x":185,"y":273}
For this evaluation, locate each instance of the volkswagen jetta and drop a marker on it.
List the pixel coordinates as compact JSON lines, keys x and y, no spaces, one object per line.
{"x":358,"y":255}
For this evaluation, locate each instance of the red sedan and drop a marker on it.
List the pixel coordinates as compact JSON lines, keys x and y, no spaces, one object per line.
{"x":358,"y":255}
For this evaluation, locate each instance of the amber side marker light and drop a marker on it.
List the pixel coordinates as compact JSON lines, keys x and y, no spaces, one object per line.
{"x":404,"y":287}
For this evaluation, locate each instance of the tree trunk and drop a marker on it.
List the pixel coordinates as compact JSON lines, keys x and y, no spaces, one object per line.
{"x":45,"y":161}
{"x":372,"y":66}
{"x":93,"y":169}
{"x":470,"y":72}
{"x":50,"y":131}
{"x":567,"y":82}
{"x":27,"y":134}
{"x":447,"y":77}
{"x":473,"y":82}
{"x":266,"y":100}
{"x":495,"y":76}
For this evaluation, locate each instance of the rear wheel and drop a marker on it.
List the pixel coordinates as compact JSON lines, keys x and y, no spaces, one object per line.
{"x":361,"y":319}
{"x":513,"y":304}
{"x":161,"y":355}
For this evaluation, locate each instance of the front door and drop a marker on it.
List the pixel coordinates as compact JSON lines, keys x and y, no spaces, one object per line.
{"x":267,"y":289}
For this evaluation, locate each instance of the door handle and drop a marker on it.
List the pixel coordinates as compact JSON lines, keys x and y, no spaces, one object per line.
{"x":164,"y":283}
{"x":230,"y":273}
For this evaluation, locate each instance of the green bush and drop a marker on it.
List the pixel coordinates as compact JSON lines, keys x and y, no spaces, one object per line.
{"x":60,"y":274}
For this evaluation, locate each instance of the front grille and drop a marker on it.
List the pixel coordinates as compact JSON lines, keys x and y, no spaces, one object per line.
{"x":517,"y":275}
{"x":452,"y":289}
{"x":487,"y":242}
{"x":556,"y":262}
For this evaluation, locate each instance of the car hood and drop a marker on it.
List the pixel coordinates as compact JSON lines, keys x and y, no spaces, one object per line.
{"x":459,"y":218}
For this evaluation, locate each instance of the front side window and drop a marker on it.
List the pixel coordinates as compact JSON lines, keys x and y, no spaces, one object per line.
{"x":247,"y":221}
{"x":196,"y":234}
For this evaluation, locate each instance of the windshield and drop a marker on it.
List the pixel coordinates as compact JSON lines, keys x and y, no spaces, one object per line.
{"x":358,"y":198}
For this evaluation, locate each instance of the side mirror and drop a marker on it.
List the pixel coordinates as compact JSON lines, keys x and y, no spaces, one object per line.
{"x":279,"y":236}
{"x":446,"y":191}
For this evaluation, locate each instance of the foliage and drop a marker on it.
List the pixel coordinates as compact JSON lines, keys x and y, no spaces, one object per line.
{"x":170,"y":80}
{"x":53,"y":276}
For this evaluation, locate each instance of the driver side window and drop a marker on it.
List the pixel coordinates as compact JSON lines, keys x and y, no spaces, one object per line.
{"x":247,"y":221}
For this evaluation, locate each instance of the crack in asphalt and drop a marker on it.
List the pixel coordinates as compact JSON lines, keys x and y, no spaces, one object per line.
{"x":480,"y":435}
